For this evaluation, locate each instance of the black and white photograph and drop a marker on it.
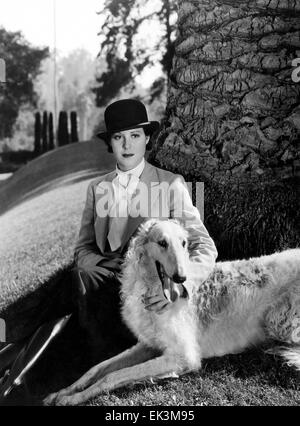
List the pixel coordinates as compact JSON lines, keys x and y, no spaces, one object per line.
{"x":150,"y":205}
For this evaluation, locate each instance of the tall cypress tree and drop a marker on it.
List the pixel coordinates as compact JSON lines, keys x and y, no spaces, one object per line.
{"x":37,"y":133}
{"x":74,"y":132}
{"x":51,"y":131}
{"x":45,"y":132}
{"x":63,"y":132}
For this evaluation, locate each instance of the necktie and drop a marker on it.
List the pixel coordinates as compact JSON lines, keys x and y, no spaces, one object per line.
{"x":124,"y":187}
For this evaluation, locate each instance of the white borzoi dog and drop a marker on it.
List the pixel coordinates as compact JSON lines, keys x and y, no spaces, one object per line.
{"x":242,"y":303}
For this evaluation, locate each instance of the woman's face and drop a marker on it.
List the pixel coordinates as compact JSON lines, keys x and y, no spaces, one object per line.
{"x":129,"y":147}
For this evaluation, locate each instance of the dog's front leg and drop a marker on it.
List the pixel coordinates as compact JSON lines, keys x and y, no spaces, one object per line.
{"x":135,"y":355}
{"x":159,"y":367}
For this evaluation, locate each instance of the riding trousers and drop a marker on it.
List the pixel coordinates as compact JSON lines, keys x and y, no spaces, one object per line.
{"x":97,"y":296}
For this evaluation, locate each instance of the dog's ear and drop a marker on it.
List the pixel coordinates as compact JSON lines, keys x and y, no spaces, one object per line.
{"x":146,"y":226}
{"x":137,"y":247}
{"x":139,"y":240}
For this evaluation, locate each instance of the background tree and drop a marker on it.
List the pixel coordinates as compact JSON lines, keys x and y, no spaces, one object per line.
{"x":233,"y":119}
{"x":45,"y":132}
{"x":63,"y":132}
{"x":136,"y":35}
{"x":51,"y":131}
{"x":37,"y":133}
{"x":22,"y":66}
{"x":74,"y":132}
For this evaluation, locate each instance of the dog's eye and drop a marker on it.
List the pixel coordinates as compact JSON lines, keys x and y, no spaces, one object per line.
{"x":163,"y":243}
{"x":183,"y":243}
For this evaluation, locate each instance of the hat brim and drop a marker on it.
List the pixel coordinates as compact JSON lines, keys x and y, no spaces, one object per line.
{"x":151,"y":126}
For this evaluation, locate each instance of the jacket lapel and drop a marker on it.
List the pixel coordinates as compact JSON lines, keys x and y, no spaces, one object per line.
{"x":103,"y":221}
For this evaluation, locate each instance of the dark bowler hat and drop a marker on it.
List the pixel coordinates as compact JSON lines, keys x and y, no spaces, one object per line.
{"x":126,"y":114}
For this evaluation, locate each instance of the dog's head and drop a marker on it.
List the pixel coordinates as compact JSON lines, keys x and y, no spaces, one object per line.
{"x":165,"y":243}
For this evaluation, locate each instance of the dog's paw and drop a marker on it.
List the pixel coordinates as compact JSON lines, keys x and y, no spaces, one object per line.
{"x":50,"y":399}
{"x":59,"y":399}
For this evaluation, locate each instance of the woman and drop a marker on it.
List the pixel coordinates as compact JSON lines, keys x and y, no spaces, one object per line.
{"x":108,"y":223}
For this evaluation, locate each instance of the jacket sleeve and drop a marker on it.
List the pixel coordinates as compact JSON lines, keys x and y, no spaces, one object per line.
{"x":202,"y":249}
{"x":86,"y":251}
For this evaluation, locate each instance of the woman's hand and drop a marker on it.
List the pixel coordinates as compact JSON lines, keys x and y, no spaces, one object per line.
{"x":111,"y":264}
{"x":162,"y":301}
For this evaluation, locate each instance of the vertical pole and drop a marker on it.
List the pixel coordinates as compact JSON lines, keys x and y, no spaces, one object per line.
{"x":55,"y":70}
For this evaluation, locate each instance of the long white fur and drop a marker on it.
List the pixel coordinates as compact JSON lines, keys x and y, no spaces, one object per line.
{"x":243,"y":303}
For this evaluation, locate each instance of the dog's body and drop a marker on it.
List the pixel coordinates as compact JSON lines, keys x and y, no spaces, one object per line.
{"x":242,"y":303}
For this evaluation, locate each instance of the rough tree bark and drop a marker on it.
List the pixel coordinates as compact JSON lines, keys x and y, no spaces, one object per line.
{"x":233,"y":113}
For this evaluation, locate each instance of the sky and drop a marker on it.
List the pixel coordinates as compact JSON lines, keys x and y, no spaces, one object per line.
{"x":77,"y":22}
{"x":77,"y":25}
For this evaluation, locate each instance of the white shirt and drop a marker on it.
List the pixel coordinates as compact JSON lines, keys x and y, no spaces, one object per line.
{"x":124,"y":184}
{"x":137,"y":171}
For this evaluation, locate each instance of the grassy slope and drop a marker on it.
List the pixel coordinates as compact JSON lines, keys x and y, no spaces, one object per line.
{"x":67,"y":164}
{"x":37,"y":239}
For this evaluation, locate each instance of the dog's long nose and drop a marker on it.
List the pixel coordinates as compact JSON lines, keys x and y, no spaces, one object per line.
{"x":179,"y":279}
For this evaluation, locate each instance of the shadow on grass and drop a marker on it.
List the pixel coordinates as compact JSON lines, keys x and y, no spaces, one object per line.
{"x":60,"y":365}
{"x":66,"y":359}
{"x":68,"y":356}
{"x":53,"y":299}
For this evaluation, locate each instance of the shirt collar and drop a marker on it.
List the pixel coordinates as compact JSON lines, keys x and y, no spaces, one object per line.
{"x":137,"y":171}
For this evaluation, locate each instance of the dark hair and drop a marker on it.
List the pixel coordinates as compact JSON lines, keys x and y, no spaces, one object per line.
{"x":147,"y":133}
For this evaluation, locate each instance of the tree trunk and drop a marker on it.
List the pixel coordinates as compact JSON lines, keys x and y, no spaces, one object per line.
{"x":233,"y":117}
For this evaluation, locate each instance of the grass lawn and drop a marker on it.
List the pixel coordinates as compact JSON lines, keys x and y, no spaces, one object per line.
{"x":37,"y":240}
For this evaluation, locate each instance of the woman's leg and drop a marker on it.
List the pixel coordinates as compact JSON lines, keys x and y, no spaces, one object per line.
{"x":97,"y":296}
